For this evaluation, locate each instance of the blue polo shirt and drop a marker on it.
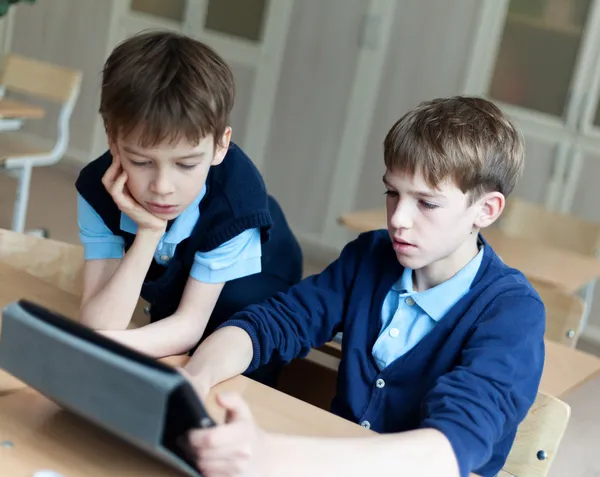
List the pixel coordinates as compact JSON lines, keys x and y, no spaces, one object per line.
{"x":408,"y":316}
{"x":236,"y":258}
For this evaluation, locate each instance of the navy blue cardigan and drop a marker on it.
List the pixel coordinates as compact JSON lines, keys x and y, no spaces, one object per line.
{"x":473,"y":377}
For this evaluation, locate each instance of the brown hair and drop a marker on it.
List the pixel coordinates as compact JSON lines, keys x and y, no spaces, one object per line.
{"x":466,"y":139}
{"x":167,"y":86}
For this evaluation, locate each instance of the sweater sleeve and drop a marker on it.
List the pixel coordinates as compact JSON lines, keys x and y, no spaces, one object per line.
{"x":308,"y":315}
{"x":488,"y":393}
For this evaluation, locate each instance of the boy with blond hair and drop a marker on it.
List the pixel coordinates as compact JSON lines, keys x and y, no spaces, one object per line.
{"x":443,"y":347}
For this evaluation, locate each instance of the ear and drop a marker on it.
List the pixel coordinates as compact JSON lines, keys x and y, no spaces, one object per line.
{"x":489,"y":207}
{"x":221,"y":147}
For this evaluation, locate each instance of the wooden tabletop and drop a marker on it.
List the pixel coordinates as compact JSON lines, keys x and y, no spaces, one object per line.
{"x":36,"y":435}
{"x":20,"y":110}
{"x":568,"y":270}
{"x":46,"y":437}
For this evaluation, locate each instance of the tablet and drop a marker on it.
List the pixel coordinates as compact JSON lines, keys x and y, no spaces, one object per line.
{"x":141,"y":400}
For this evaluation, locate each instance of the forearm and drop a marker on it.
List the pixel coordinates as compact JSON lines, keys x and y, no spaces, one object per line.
{"x":173,"y":335}
{"x":112,"y":307}
{"x":224,"y":354}
{"x":420,"y":453}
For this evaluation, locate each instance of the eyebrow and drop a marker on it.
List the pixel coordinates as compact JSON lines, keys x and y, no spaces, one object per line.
{"x":421,"y":193}
{"x":197,"y":155}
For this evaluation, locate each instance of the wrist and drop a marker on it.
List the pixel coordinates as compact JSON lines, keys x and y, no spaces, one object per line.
{"x":150,"y":236}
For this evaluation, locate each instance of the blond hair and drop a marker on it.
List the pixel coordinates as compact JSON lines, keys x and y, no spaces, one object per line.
{"x":465,"y":139}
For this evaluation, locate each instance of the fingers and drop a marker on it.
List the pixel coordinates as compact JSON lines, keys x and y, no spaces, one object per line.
{"x":236,"y":409}
{"x":111,"y":175}
{"x":217,"y":467}
{"x":219,"y":454}
{"x":224,"y":436}
{"x":116,"y":156}
{"x":114,"y":169}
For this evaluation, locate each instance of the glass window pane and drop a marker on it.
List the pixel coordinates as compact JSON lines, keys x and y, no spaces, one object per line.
{"x":171,"y":9}
{"x":241,"y":18}
{"x":538,"y":53}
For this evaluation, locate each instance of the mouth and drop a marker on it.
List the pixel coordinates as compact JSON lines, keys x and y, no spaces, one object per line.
{"x":401,"y":241}
{"x":161,"y":208}
{"x":401,"y":245}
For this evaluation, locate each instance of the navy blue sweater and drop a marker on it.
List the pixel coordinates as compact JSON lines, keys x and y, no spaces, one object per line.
{"x":236,"y":200}
{"x":473,"y":377}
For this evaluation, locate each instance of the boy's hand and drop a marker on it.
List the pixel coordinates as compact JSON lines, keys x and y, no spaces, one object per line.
{"x":234,"y":449}
{"x":114,"y":180}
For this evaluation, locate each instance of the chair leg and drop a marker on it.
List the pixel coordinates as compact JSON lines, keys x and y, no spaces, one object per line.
{"x":20,"y":210}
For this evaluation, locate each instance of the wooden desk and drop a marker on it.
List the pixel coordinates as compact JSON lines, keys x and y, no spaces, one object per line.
{"x":17,"y":109}
{"x":568,"y":270}
{"x":565,"y":369}
{"x":16,"y":284}
{"x":45,"y":437}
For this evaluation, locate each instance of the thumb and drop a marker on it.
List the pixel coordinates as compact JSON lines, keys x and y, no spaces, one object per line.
{"x":236,"y":409}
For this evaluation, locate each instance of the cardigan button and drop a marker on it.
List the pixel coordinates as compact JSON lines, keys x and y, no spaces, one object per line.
{"x":409,"y":301}
{"x":380,"y":383}
{"x":366,"y":424}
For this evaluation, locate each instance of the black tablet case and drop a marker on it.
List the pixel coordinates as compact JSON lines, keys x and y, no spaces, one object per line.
{"x":141,"y":400}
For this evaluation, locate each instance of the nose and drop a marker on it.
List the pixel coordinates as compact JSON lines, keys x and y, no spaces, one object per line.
{"x":401,"y":215}
{"x":162,"y":184}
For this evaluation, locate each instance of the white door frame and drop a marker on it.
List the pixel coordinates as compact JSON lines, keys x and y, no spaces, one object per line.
{"x":266,"y":57}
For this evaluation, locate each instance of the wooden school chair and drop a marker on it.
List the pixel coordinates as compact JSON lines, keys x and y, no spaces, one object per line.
{"x":46,"y":82}
{"x":528,"y":220}
{"x":538,"y":438}
{"x":564,"y":313}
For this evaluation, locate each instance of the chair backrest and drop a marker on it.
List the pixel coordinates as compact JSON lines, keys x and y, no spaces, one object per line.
{"x":49,"y":82}
{"x":538,"y":438}
{"x":525,"y":219}
{"x":564,"y":313}
{"x":57,"y":263}
{"x":39,"y":79}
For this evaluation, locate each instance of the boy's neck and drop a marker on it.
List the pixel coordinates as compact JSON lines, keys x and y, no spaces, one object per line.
{"x":444,"y":269}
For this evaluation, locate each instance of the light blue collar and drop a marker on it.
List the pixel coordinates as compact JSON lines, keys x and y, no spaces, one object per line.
{"x":438,"y":300}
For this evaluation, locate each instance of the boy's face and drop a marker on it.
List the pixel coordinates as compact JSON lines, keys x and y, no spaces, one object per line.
{"x":165,"y":179}
{"x":435,"y":227}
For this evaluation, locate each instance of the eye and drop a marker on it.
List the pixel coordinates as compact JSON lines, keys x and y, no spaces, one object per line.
{"x":391,"y":193}
{"x":187,"y":167}
{"x":429,"y":205}
{"x":139,"y":163}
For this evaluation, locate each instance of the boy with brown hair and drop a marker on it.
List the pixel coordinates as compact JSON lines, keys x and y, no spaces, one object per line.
{"x":174,"y":211}
{"x":443,"y":345}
